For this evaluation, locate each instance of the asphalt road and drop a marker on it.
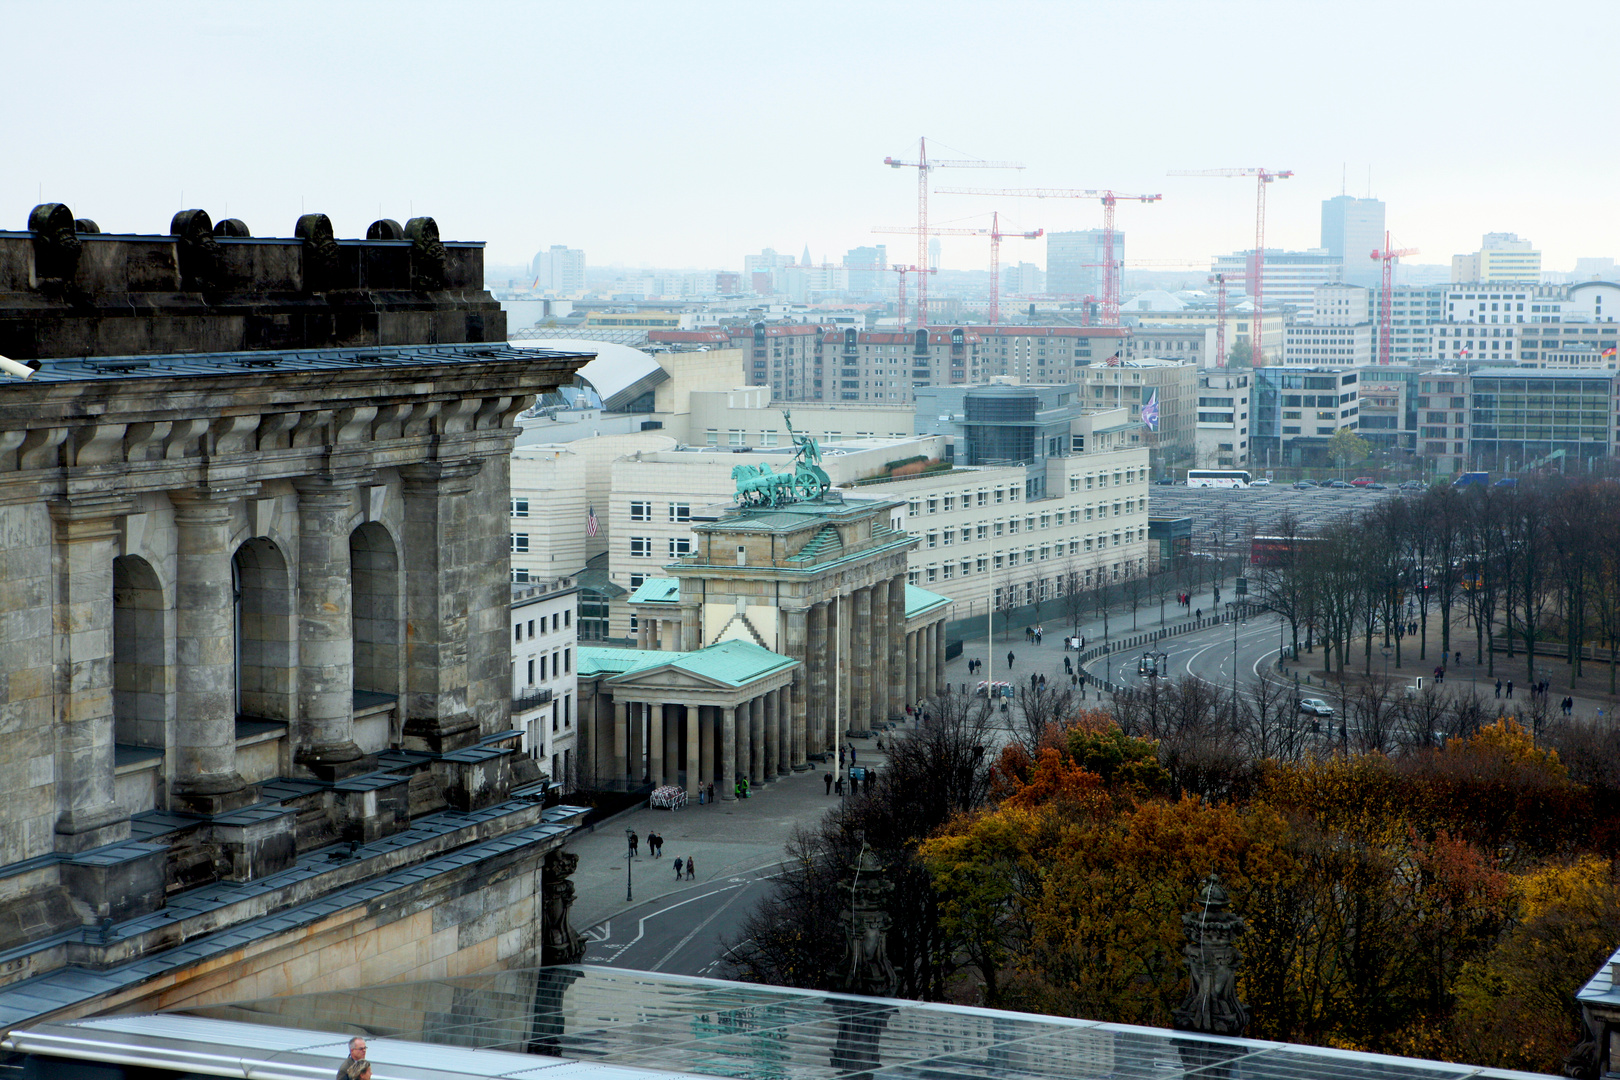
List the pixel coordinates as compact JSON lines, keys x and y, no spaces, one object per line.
{"x":1208,"y":655}
{"x":681,"y":933}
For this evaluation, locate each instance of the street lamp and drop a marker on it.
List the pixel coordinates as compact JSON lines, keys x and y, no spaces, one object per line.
{"x":1385,"y":651}
{"x":629,"y":838}
{"x":1232,"y":613}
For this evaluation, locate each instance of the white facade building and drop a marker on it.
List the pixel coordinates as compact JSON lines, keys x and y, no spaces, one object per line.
{"x":545,"y":616}
{"x":1291,"y":277}
{"x":560,"y":269}
{"x":1223,"y":419}
{"x":1339,"y":332}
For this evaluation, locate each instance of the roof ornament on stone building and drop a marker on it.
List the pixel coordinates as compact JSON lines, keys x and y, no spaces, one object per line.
{"x":1212,"y":956}
{"x":761,"y":486}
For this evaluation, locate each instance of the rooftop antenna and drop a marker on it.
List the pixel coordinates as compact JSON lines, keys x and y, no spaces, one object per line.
{"x":1344,"y":172}
{"x":1369,"y":181}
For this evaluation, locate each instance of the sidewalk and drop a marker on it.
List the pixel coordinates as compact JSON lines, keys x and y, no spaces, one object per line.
{"x":724,"y":838}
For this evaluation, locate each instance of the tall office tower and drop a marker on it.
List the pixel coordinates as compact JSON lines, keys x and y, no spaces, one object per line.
{"x":1074,"y":261}
{"x":867,"y":266}
{"x":560,"y":269}
{"x":1352,"y":229}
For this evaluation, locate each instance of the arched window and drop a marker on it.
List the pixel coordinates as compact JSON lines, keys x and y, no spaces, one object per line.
{"x":142,"y":672}
{"x":264,"y":631}
{"x":374,"y":574}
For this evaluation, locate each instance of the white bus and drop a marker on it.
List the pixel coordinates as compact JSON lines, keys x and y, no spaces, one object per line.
{"x":1222,"y":478}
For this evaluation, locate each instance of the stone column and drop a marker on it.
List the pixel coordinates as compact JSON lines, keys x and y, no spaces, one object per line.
{"x":86,"y":545}
{"x":325,"y":727}
{"x":655,"y":743}
{"x":860,"y":661}
{"x":880,"y":653}
{"x":911,"y":668}
{"x":438,"y":553}
{"x":756,"y":740}
{"x":691,"y":625}
{"x":939,"y":657}
{"x":773,"y":734}
{"x":694,"y":751}
{"x":706,"y":747}
{"x":621,"y":740}
{"x":724,"y":779}
{"x":897,"y":647}
{"x":206,"y":780}
{"x":794,"y":713}
{"x":744,"y":743}
{"x":930,"y":655}
{"x":672,"y":745}
{"x":638,"y":743}
{"x":820,"y":698}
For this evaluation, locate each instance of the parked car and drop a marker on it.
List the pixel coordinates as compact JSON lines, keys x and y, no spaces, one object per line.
{"x":1304,"y":485}
{"x":1260,"y":482}
{"x":1361,"y":481}
{"x":1412,"y":485}
{"x":1166,"y":481}
{"x":1337,"y":484}
{"x":1315,"y":706}
{"x":1376,"y":486}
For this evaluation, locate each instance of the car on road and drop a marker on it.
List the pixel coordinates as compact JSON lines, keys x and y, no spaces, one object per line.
{"x":1315,"y":706}
{"x":1362,"y":481}
{"x":1260,"y":482}
{"x":1412,"y":485}
{"x":1337,"y":484}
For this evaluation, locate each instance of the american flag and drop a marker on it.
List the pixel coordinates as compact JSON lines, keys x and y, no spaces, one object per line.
{"x":1113,"y":361}
{"x":590,"y":523}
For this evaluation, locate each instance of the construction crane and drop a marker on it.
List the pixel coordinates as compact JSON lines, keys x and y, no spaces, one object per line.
{"x":922,"y":275}
{"x":1219,"y":281}
{"x":1386,"y":322}
{"x":1257,"y":272}
{"x":996,"y":237}
{"x":1109,"y":199}
{"x":924,"y":166}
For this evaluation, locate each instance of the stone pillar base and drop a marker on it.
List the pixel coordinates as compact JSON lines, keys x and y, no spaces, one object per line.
{"x":83,"y":828}
{"x":434,"y":737}
{"x":335,"y":762}
{"x":373,"y":807}
{"x":118,"y":883}
{"x":212,"y":795}
{"x":475,"y":778}
{"x":256,"y":841}
{"x":806,"y":767}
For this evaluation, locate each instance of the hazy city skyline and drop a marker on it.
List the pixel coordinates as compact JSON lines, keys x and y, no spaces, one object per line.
{"x":693,"y":135}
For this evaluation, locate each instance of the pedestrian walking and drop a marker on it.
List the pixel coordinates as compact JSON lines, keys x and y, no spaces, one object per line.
{"x":652,"y":844}
{"x":632,"y":847}
{"x":1510,"y":689}
{"x":1074,"y":680}
{"x":680,"y":868}
{"x":691,"y":868}
{"x":1009,"y":659}
{"x":356,"y":1058}
{"x":852,"y":755}
{"x":1498,"y":687}
{"x":711,"y":792}
{"x":854,"y":785}
{"x":1457,"y":659}
{"x":838,"y":786}
{"x":1199,"y":614}
{"x":828,"y":777}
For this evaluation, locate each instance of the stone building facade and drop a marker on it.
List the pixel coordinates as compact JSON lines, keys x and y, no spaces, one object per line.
{"x":813,"y":598}
{"x":255,"y":600}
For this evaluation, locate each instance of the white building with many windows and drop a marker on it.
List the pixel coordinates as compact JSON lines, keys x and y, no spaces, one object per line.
{"x":545,"y":617}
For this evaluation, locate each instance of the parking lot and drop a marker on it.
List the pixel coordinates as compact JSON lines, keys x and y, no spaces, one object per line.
{"x":1228,"y":513}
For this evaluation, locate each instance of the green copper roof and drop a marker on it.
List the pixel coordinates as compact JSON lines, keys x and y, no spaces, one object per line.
{"x":660,"y":590}
{"x":921,"y":600}
{"x":734,"y":663}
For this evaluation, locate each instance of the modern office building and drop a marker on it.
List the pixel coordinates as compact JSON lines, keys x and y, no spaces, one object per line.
{"x":1340,"y":332}
{"x":1522,"y":419}
{"x":559,"y":269}
{"x":1502,"y":258}
{"x":1223,"y":419}
{"x":1170,"y":386}
{"x":1297,"y":410}
{"x":1075,"y":260}
{"x":1291,"y":277}
{"x":1352,"y":229}
{"x":868,"y":271}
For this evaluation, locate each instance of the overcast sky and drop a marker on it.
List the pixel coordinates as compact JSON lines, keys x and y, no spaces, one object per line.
{"x":691,"y":134}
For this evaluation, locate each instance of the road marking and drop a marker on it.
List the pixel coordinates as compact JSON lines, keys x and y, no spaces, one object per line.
{"x":667,"y":957}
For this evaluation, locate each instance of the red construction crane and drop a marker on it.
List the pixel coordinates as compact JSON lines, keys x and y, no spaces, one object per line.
{"x":924,"y":167}
{"x":1386,"y":296}
{"x":1111,"y":269}
{"x":1257,"y":271}
{"x":1219,"y":281}
{"x":922,"y":275}
{"x":996,"y":237}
